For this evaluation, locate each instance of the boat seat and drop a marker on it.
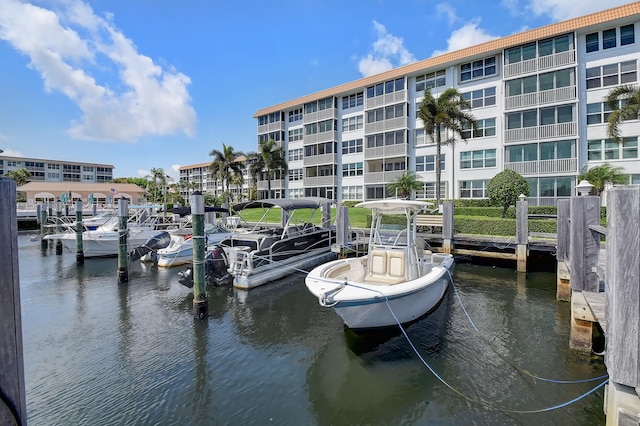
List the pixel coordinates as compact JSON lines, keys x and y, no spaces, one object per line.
{"x":396,"y":264}
{"x":379,"y":264}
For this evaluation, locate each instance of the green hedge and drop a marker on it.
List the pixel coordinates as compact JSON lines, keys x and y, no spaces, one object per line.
{"x":495,"y":226}
{"x":497,"y":211}
{"x":351,"y":203}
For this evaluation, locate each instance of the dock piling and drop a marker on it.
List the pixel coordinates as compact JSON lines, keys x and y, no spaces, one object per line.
{"x":522,"y":235}
{"x":79,"y":229}
{"x":447,"y":227}
{"x":43,"y":227}
{"x":58,"y":226}
{"x":200,"y":305}
{"x":123,"y":254}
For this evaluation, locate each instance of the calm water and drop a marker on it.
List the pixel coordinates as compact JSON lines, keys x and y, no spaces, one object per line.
{"x":99,"y":353}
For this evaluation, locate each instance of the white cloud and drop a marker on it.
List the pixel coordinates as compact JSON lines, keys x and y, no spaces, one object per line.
{"x":144,"y":173}
{"x":559,"y":10}
{"x":445,"y":9}
{"x":11,"y":152}
{"x":468,"y":35}
{"x":176,"y":168}
{"x":152,"y":101}
{"x":387,"y":52}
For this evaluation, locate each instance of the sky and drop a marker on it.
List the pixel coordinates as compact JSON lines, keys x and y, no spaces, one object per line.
{"x":148,"y":84}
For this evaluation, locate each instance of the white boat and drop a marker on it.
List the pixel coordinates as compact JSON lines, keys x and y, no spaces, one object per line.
{"x":396,"y":282}
{"x":180,"y":249}
{"x":262,"y":252}
{"x":105,"y":239}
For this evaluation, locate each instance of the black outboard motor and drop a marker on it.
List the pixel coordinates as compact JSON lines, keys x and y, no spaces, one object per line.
{"x":158,"y":241}
{"x":215,"y":269}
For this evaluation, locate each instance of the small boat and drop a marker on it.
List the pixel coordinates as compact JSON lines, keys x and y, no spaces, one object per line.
{"x":397,"y":281}
{"x":262,"y":252}
{"x":180,"y":249}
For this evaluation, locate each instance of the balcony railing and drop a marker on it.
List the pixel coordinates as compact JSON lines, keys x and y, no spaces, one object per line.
{"x":385,"y":125}
{"x":314,"y":160}
{"x":540,"y":167}
{"x":325,"y":114}
{"x":275,"y":184}
{"x":382,"y":177}
{"x":561,"y":94}
{"x":389,"y":98}
{"x":540,"y":63}
{"x":329,"y":136}
{"x":385,"y":151}
{"x":320,"y":181}
{"x":271,"y":127}
{"x":542,"y":132}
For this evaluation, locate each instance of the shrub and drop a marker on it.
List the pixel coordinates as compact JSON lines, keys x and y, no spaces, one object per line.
{"x":505,"y":187}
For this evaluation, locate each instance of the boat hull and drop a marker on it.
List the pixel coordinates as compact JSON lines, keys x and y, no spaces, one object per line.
{"x":103,"y":244}
{"x":181,"y":251}
{"x":362,"y":305}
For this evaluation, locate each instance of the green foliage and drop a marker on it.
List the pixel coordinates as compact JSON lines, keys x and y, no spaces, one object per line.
{"x":629,"y":97}
{"x":598,"y":176}
{"x":497,"y":211}
{"x":405,"y":184}
{"x":268,"y":162}
{"x":505,"y":187}
{"x":350,"y":203}
{"x":224,"y":165}
{"x":21,"y":176}
{"x":474,"y":225}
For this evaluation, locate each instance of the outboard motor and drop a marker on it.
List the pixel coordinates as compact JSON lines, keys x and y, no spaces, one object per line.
{"x":161,"y":240}
{"x":215,"y":269}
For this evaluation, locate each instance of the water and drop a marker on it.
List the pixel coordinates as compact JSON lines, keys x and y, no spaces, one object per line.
{"x":99,"y":353}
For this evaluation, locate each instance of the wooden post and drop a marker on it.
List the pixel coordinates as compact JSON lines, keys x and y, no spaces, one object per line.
{"x":447,"y":227}
{"x":59,"y":226}
{"x":94,"y":209}
{"x":79,"y":229}
{"x":563,"y":283}
{"x":43,"y":228}
{"x":522,"y":234}
{"x":123,"y":254}
{"x":200,"y":305}
{"x":13,"y":405}
{"x":585,"y":247}
{"x":342,"y":229}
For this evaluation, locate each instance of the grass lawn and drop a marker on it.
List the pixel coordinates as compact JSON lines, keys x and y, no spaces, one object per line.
{"x":357,"y":216}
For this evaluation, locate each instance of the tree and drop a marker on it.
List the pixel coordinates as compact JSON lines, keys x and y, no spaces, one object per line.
{"x":599,"y":176}
{"x":505,"y":187}
{"x":624,"y":102}
{"x":270,"y":159}
{"x":443,"y":114}
{"x":21,"y":176}
{"x":225,"y":164}
{"x":405,"y":184}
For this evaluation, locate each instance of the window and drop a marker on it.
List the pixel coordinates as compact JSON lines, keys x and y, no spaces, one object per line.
{"x":352,"y":101}
{"x":352,"y":169}
{"x":295,"y":115}
{"x":473,"y":189}
{"x":296,"y":192}
{"x":557,"y":150}
{"x":375,"y":115}
{"x":556,"y":115}
{"x":521,"y":53}
{"x":609,"y":38}
{"x":555,"y":187}
{"x":522,"y":86}
{"x":598,"y":113}
{"x":295,"y":174}
{"x":311,"y":129}
{"x":478,"y":69}
{"x":311,"y":107}
{"x":556,"y":79}
{"x":428,"y":191}
{"x":431,"y":80}
{"x":389,"y":138}
{"x":522,"y":119}
{"x":627,"y":35}
{"x":385,"y":88}
{"x":608,"y":149}
{"x":593,"y":42}
{"x":427,"y":163}
{"x":352,"y":123}
{"x":352,"y":193}
{"x":612,"y":74}
{"x":296,"y":134}
{"x":394,"y":111}
{"x":296,"y":154}
{"x":478,"y":159}
{"x":352,"y":146}
{"x":558,"y":44}
{"x":481,"y":98}
{"x":326,"y":103}
{"x":520,"y":153}
{"x":486,"y":127}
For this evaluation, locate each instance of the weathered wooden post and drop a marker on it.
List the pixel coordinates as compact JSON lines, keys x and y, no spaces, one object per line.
{"x":43,"y":227}
{"x":563,"y":283}
{"x":59,"y":226}
{"x":94,"y":209}
{"x":13,"y":405}
{"x":447,"y":227}
{"x":123,"y":254}
{"x":622,"y":305}
{"x":79,"y":229}
{"x":522,"y":234}
{"x":585,"y":211}
{"x":66,"y":210}
{"x":342,"y":230}
{"x":200,"y":305}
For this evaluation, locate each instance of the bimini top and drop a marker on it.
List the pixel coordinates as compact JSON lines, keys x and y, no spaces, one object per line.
{"x":395,"y":205}
{"x":284,"y":203}
{"x":184,"y":211}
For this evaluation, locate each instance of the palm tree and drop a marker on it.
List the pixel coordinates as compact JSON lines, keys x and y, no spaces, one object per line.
{"x":624,"y":102}
{"x":442,"y":114}
{"x":224,"y":164}
{"x":270,"y":160}
{"x":599,"y":176}
{"x":21,"y":176}
{"x":405,"y":184}
{"x":237,"y":180}
{"x":159,"y":179}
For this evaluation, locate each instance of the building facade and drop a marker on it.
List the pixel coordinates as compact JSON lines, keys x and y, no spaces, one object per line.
{"x":58,"y":171}
{"x":537,"y":97}
{"x":198,"y":177}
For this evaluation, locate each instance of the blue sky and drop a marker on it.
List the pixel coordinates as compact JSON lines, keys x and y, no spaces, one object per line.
{"x":160,"y":83}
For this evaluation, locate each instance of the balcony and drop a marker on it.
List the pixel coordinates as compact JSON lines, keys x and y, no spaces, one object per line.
{"x":271,"y":127}
{"x":320,"y":181}
{"x":561,"y":94}
{"x":320,"y":137}
{"x":314,"y":160}
{"x":263,"y":185}
{"x":539,"y":64}
{"x":389,"y":98}
{"x":385,"y":125}
{"x":541,"y":167}
{"x":385,"y":151}
{"x":382,"y":177}
{"x":548,"y":131}
{"x":325,"y":114}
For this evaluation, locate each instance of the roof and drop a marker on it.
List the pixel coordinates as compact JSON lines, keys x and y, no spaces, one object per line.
{"x":54,"y":187}
{"x":82,"y":163}
{"x":395,"y":205}
{"x":284,"y":203}
{"x":438,"y":62}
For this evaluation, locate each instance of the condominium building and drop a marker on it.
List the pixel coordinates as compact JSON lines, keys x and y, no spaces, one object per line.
{"x":537,"y":97}
{"x":198,"y":177}
{"x":57,"y":170}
